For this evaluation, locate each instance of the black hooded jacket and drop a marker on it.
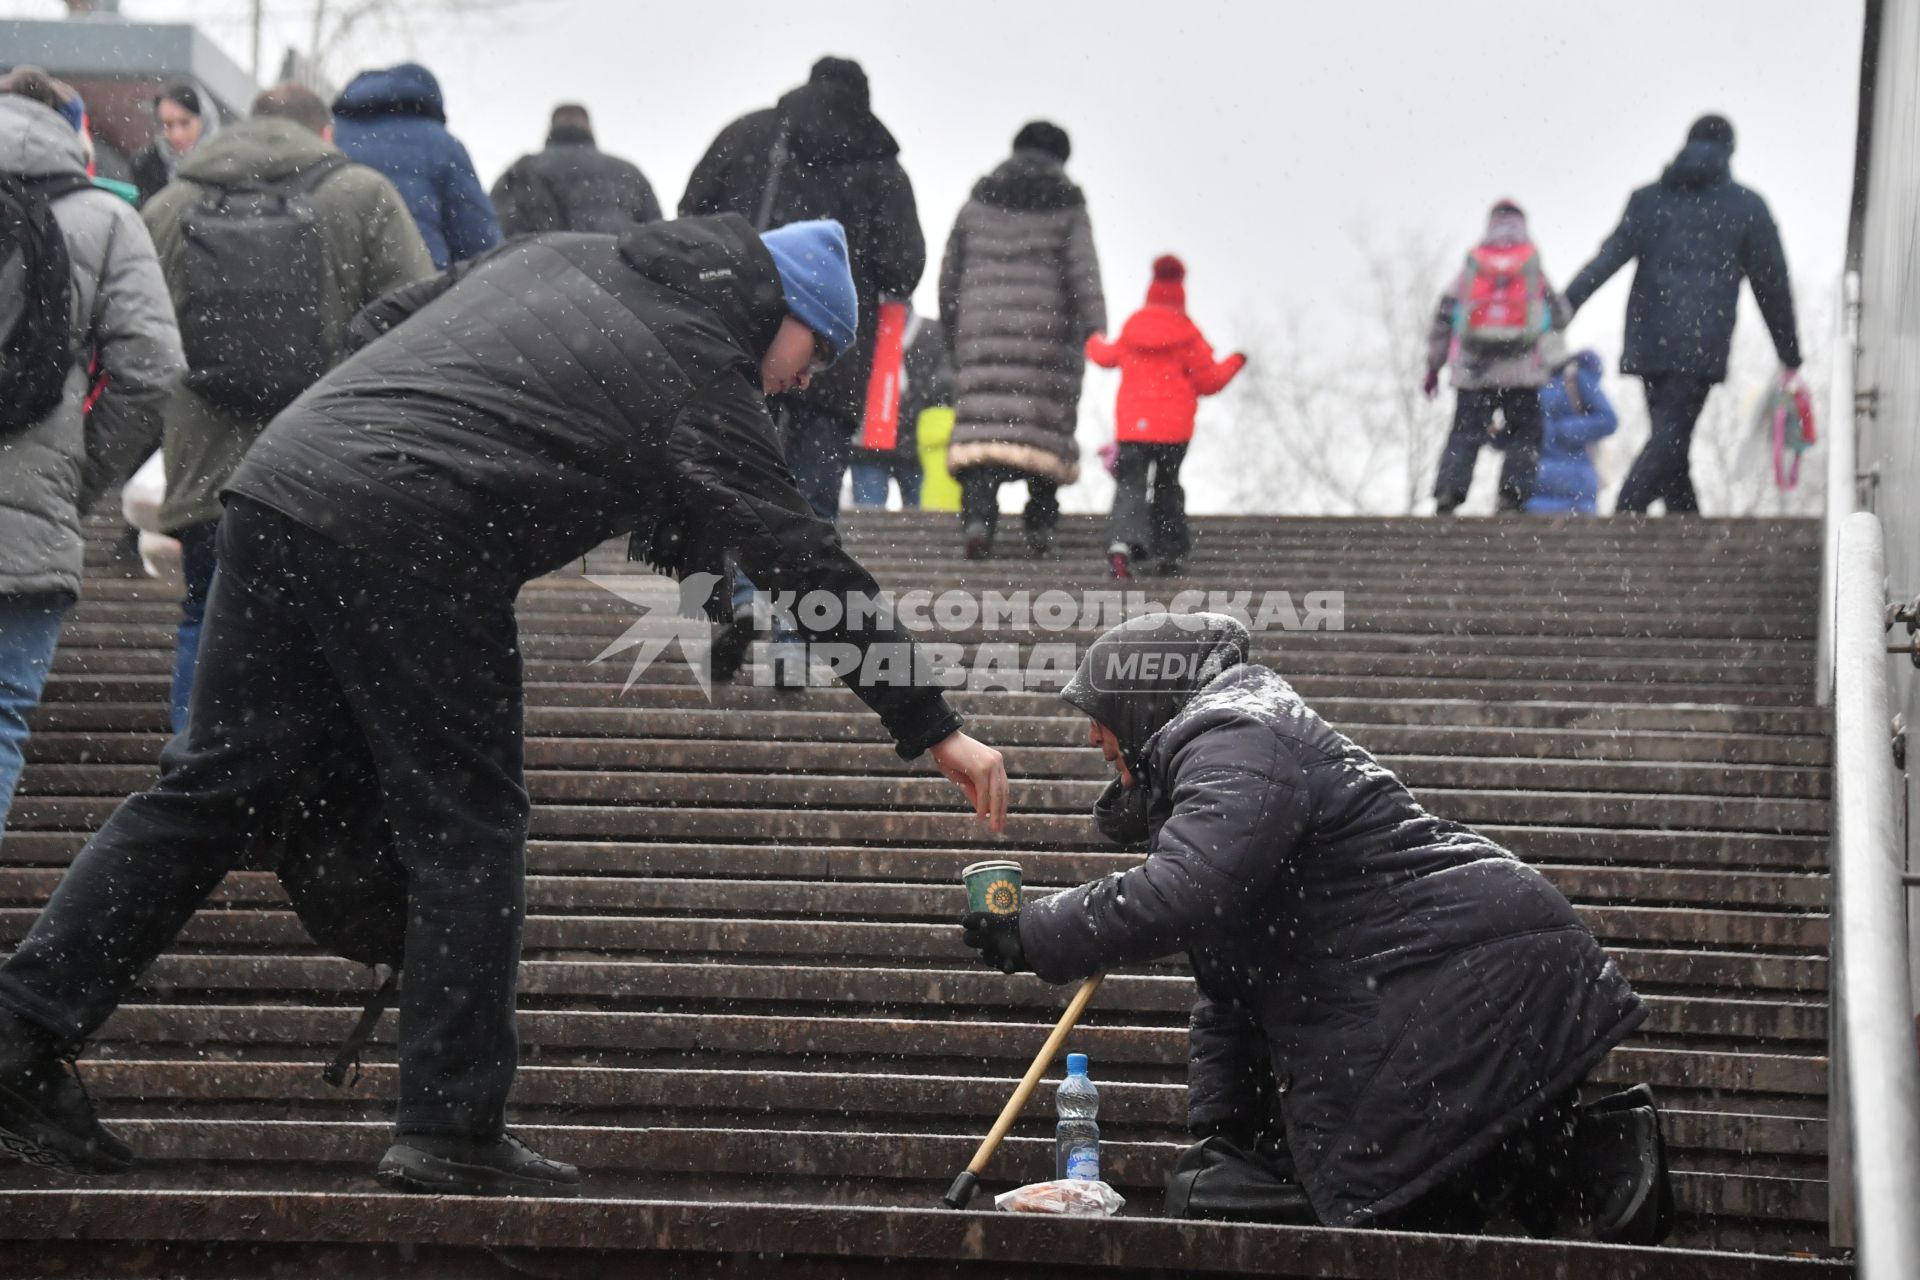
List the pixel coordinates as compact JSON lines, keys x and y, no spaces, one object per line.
{"x":524,"y":408}
{"x":1393,"y":991}
{"x":841,"y":163}
{"x":572,"y":186}
{"x":1695,"y":233}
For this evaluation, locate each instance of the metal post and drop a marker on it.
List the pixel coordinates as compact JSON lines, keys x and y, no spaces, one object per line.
{"x":1842,"y":497}
{"x":1875,"y":1171}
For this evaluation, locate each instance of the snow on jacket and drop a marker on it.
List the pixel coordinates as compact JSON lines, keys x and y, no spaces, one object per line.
{"x":1394,"y":989}
{"x":1475,"y":370}
{"x":372,"y":247}
{"x":1578,"y":415}
{"x":52,"y":472}
{"x":522,"y":409}
{"x":841,"y":163}
{"x":396,"y":121}
{"x":1019,"y":297}
{"x":1695,"y":233}
{"x":1165,"y":365}
{"x":572,"y":186}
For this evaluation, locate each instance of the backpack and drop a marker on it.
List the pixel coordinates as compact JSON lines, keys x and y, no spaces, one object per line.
{"x":36,"y":298}
{"x":1502,"y":307}
{"x":252,"y":268}
{"x":335,"y":857}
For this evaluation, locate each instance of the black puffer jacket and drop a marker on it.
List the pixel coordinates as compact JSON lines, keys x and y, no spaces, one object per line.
{"x":572,"y":186}
{"x":1695,"y":233}
{"x":526,"y":407}
{"x":1408,"y":989}
{"x":841,"y":163}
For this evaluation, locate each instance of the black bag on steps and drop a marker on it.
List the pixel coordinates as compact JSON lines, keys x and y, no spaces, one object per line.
{"x":335,"y":857}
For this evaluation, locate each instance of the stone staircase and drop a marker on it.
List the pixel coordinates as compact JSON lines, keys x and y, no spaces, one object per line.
{"x":747,"y":1014}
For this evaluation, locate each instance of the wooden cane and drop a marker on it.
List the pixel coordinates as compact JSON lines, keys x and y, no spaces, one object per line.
{"x":964,"y":1186}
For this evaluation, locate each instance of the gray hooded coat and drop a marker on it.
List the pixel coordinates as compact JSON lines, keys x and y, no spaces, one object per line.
{"x":54,"y":470}
{"x":1392,"y":989}
{"x":1019,"y":296}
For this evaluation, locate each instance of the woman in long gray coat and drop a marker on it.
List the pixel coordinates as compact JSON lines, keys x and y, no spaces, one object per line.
{"x":52,"y":470}
{"x":1388,"y":997}
{"x":1019,"y":295}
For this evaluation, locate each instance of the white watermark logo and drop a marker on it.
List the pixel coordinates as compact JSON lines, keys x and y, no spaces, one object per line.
{"x":686,"y":627}
{"x":1011,"y":640}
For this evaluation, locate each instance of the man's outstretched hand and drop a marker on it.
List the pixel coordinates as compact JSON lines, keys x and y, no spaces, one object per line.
{"x":996,"y":938}
{"x":979,"y":771}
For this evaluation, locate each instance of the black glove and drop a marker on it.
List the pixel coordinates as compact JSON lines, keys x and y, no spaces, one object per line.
{"x":996,"y":938}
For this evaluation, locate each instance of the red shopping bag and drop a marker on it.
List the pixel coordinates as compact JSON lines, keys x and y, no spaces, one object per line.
{"x":881,"y":426}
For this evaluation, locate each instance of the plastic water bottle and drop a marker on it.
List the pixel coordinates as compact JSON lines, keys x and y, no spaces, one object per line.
{"x":1076,"y":1138}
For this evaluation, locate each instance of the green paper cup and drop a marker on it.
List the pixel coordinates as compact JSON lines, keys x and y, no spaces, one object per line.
{"x":993,"y":887}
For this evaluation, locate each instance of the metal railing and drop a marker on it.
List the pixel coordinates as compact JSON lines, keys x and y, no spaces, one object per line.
{"x":1873,"y":1173}
{"x":1843,"y":467}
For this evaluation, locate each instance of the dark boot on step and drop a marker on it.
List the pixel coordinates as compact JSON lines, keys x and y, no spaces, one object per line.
{"x":46,"y":1117}
{"x":1619,"y":1175}
{"x":440,"y":1164}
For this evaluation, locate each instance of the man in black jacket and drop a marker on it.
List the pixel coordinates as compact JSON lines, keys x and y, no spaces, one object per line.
{"x":520,"y":410}
{"x":821,"y":153}
{"x":572,"y":185}
{"x":1695,"y":233}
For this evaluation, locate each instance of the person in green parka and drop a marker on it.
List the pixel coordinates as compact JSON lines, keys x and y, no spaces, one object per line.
{"x":368,"y":246}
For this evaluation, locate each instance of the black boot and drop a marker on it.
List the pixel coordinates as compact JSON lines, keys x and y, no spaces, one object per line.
{"x":46,"y":1117}
{"x":1641,"y":1095}
{"x":503,"y":1166}
{"x":1620,"y":1174}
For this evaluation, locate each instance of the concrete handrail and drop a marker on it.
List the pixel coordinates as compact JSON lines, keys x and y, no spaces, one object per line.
{"x":1843,"y":486}
{"x":1874,"y":1113}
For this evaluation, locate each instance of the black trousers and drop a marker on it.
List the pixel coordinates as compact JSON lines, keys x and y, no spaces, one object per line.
{"x":308,"y":648}
{"x":1149,"y":505}
{"x":980,"y":498}
{"x":1519,"y":409}
{"x":1525,"y":1172}
{"x":1662,"y":471}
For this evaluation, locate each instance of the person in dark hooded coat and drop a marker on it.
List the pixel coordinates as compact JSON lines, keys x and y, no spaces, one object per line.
{"x":1389,"y":997}
{"x":1696,"y":233}
{"x":822,"y":153}
{"x":395,"y":121}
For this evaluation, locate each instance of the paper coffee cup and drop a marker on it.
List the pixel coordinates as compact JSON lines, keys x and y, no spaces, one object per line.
{"x":993,"y":887}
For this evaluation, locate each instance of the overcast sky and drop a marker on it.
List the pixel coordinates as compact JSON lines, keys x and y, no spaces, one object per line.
{"x":1254,"y":138}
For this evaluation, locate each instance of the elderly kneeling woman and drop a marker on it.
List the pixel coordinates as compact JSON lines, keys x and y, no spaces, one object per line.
{"x":1394,"y":1014}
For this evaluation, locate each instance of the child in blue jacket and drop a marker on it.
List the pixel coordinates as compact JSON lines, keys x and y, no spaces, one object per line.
{"x":1578,"y":415}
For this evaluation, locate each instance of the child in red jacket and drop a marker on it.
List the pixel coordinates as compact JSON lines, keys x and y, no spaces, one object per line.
{"x":1165,"y":367}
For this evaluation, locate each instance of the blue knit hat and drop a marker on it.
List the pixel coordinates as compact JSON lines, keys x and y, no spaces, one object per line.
{"x":812,"y":259}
